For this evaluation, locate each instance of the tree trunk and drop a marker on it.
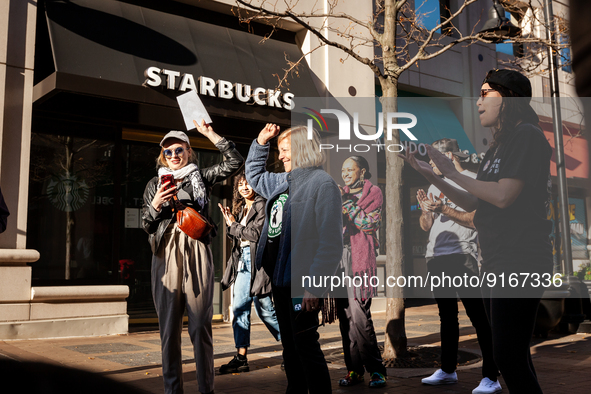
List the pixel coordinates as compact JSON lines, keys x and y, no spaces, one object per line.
{"x":69,"y":167}
{"x":69,"y":228}
{"x":395,"y":345}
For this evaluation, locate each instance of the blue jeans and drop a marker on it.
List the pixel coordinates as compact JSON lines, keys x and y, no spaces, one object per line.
{"x":242,"y":302}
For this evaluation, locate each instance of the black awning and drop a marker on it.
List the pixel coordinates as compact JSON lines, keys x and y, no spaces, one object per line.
{"x":103,"y":48}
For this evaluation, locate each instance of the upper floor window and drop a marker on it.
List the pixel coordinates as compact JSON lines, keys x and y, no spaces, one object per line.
{"x":563,"y":39}
{"x":430,"y":13}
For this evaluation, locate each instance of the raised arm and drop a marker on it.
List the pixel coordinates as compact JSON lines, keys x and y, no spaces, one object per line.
{"x":233,"y":160}
{"x":207,"y":131}
{"x":262,"y":181}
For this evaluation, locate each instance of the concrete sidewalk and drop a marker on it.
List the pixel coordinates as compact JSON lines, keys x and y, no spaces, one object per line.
{"x":563,"y":363}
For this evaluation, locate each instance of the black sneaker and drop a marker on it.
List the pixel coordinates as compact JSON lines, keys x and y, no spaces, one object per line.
{"x":237,"y":364}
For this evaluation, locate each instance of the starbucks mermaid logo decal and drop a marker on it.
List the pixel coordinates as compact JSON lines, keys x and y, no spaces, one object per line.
{"x":67,"y":193}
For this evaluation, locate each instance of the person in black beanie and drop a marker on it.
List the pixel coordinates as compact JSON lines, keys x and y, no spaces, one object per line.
{"x":511,"y":195}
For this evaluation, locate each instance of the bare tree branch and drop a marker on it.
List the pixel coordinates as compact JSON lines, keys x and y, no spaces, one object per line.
{"x":297,"y":19}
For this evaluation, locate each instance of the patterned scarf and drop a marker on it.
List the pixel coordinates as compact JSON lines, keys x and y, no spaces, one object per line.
{"x":192,"y":171}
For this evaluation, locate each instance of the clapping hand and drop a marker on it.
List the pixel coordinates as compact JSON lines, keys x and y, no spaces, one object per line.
{"x":422,"y":199}
{"x":434,"y":204}
{"x":431,"y":203}
{"x":227,"y":215}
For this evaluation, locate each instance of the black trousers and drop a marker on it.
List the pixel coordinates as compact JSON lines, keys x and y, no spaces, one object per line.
{"x":512,"y":321}
{"x":360,"y":344}
{"x":447,"y":302}
{"x":305,"y":365}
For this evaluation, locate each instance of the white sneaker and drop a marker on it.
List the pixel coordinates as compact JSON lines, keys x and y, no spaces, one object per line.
{"x":487,"y":386}
{"x":440,"y":377}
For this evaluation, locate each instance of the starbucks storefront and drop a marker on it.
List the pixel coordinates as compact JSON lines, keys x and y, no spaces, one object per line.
{"x":104,"y":97}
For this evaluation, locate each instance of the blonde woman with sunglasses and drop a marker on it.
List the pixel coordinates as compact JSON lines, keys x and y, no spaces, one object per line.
{"x":182,"y":267}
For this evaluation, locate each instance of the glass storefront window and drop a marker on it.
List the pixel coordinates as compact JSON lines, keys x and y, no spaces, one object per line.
{"x":135,"y":256}
{"x":71,"y":207}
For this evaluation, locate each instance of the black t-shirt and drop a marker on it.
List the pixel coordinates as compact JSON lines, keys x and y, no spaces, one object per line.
{"x":519,"y":235}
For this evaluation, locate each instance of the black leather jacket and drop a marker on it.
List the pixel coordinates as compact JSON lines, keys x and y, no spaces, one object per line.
{"x":155,"y":223}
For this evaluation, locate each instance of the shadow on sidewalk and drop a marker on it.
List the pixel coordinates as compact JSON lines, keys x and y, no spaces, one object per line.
{"x":36,"y":377}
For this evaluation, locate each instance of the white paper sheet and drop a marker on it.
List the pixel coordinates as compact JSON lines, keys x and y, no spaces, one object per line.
{"x":132,"y":218}
{"x":192,"y":108}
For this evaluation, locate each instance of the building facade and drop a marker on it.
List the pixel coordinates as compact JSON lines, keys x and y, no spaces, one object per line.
{"x":89,"y":89}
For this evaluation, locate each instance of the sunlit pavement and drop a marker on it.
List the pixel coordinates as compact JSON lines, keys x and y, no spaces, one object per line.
{"x":563,"y":362}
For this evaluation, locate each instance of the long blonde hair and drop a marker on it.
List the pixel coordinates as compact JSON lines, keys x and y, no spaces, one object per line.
{"x":304,"y":152}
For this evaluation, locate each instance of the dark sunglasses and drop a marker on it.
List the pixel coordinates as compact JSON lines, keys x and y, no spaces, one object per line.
{"x":178,"y":152}
{"x":484,"y":92}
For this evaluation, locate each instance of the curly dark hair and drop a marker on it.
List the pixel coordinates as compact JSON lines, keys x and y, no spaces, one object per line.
{"x":511,"y":113}
{"x":238,"y":201}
